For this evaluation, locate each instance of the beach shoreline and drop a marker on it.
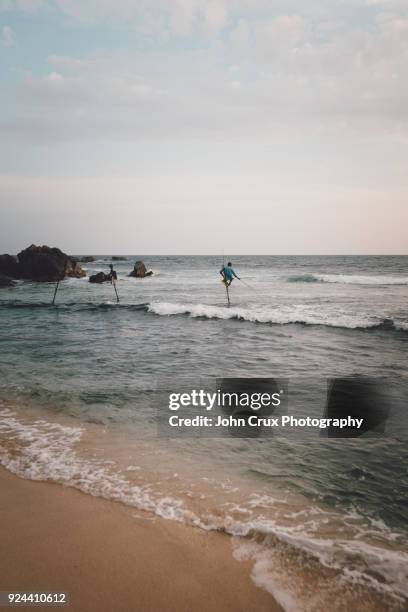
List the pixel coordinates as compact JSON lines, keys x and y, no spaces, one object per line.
{"x":110,"y":557}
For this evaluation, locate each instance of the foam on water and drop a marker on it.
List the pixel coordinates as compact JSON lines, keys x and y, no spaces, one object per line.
{"x":349,"y":279}
{"x":47,"y":452}
{"x":88,"y":361}
{"x":256,"y":313}
{"x":44,"y":450}
{"x":280,"y":315}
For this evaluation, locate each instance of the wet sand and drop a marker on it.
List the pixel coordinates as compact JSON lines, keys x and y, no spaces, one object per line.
{"x":111,"y":557}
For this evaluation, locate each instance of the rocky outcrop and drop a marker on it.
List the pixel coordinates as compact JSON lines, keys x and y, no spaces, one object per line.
{"x":40,"y":263}
{"x":118,"y":258}
{"x":140,"y":270}
{"x":86,"y":259}
{"x":100,"y":277}
{"x":74,"y":270}
{"x":5,"y":281}
{"x":8,"y":266}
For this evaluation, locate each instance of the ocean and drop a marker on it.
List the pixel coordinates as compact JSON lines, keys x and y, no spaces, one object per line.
{"x":324,"y":521}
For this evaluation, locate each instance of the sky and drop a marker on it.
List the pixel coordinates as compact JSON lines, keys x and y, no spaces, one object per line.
{"x":204,"y":127}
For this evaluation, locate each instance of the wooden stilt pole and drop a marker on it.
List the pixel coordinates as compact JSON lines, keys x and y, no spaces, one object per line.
{"x":114,"y":286}
{"x":227,"y":289}
{"x":55,"y":292}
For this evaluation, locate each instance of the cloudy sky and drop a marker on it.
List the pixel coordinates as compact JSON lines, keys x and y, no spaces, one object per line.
{"x":203,"y":126}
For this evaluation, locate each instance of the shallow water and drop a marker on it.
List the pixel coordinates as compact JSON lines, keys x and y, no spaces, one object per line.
{"x":81,"y":382}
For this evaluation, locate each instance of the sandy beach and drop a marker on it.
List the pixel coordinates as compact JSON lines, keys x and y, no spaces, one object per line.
{"x":109,"y":557}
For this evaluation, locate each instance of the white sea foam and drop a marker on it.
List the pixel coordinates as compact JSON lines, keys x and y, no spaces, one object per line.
{"x":265,"y":575}
{"x":46,"y":451}
{"x":350,"y":558}
{"x":281,"y":315}
{"x":351,"y":279}
{"x":42,"y":450}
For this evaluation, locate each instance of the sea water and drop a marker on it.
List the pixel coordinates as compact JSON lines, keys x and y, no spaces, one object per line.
{"x":323,"y":520}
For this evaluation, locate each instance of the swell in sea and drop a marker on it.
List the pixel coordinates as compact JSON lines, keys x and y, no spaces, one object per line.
{"x":350,"y":279}
{"x":265,"y":315}
{"x":324,"y":523}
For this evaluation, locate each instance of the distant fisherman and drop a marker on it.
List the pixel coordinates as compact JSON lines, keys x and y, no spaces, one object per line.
{"x":228,"y":274}
{"x":113,"y":276}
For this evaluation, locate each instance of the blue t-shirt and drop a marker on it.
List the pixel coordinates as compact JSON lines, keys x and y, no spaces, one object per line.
{"x":228,"y":273}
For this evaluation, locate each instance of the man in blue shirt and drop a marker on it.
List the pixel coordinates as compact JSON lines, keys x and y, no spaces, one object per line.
{"x":228,"y":274}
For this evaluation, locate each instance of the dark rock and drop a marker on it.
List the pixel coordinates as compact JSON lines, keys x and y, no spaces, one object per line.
{"x":86,"y":259}
{"x":40,"y":263}
{"x":74,"y":270}
{"x":118,"y":258}
{"x":100,"y":277}
{"x":8,"y":266}
{"x":5,"y":281}
{"x":140,"y":270}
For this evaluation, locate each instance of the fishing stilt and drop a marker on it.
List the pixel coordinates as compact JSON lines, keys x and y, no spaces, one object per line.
{"x":55,"y":292}
{"x":225,"y":280}
{"x":114,"y":286}
{"x":228,"y":297}
{"x":113,"y":278}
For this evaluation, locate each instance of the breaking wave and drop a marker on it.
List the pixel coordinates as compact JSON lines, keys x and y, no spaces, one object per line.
{"x":348,"y":279}
{"x":43,"y":450}
{"x":278,"y":316}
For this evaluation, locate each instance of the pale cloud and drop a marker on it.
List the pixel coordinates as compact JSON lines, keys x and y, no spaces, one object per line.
{"x":351,"y":80}
{"x":7,"y":36}
{"x":240,"y":36}
{"x":159,"y":17}
{"x":54,"y":77}
{"x":238,"y":95}
{"x":81,"y":91}
{"x":215,"y":15}
{"x":400,"y":25}
{"x":390,"y":4}
{"x":26,"y":6}
{"x":67,"y":62}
